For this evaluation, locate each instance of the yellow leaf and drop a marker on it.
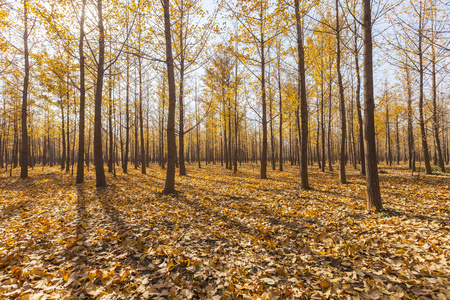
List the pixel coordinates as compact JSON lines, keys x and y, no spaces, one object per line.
{"x":324,"y":285}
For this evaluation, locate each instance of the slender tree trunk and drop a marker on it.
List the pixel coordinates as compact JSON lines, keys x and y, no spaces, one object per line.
{"x":409,"y":112}
{"x":372,"y":181}
{"x":225,"y":141}
{"x":318,"y":136}
{"x":358,"y":107}
{"x":127,"y":116}
{"x":438,"y":148}
{"x":230,"y":135}
{"x":388,"y":138}
{"x":235,"y":116}
{"x":136,"y":129}
{"x":342,"y":152}
{"x":198,"y":130}
{"x":397,"y":139}
{"x":68,"y":128}
{"x":181,"y":105}
{"x":303,"y":103}
{"x":63,"y":134}
{"x":141,"y":122}
{"x":272,"y":138}
{"x":330,"y":154}
{"x":280,"y":101}
{"x":263,"y":100}
{"x":322,"y":120}
{"x":24,"y":150}
{"x":110,"y":127}
{"x":426,"y":155}
{"x":171,"y":143}
{"x":98,"y":159}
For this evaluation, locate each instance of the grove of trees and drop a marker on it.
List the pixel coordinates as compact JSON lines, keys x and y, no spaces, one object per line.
{"x":341,"y":84}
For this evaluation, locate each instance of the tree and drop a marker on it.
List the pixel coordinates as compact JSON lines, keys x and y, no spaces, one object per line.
{"x":24,"y":149}
{"x":171,"y":143}
{"x":98,"y":154}
{"x":372,"y":181}
{"x":303,"y":102}
{"x":342,"y":152}
{"x":81,"y":134}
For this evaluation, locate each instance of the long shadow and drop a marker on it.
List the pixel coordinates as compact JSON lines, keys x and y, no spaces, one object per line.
{"x":75,"y":250}
{"x":396,"y":213}
{"x":126,"y":235}
{"x":13,"y":209}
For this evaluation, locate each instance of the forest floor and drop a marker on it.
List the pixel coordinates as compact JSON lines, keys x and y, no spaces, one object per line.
{"x":223,"y":236}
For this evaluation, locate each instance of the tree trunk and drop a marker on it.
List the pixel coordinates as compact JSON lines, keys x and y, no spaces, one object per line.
{"x":80,"y":162}
{"x":127,"y":116}
{"x":372,"y":181}
{"x":330,"y":154}
{"x":68,"y":128}
{"x":280,"y":101}
{"x":171,"y":143}
{"x":235,"y":117}
{"x":411,"y":153}
{"x":438,"y":148}
{"x":110,"y":127}
{"x":272,"y":138}
{"x":24,"y":150}
{"x":303,"y":103}
{"x":63,"y":134}
{"x":342,"y":152}
{"x":426,"y":155}
{"x":98,"y":159}
{"x":141,"y":122}
{"x":263,"y":101}
{"x":181,"y":104}
{"x":358,"y":107}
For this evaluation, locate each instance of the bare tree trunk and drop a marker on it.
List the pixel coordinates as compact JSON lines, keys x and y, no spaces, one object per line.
{"x":263,"y":101}
{"x":372,"y":181}
{"x":181,"y":104}
{"x":235,"y":116}
{"x":110,"y":127}
{"x":322,"y":120}
{"x":272,"y":138}
{"x":388,"y":138}
{"x":98,"y":159}
{"x":440,"y":159}
{"x":358,"y":107}
{"x":411,"y":153}
{"x":81,"y":134}
{"x":330,"y":154}
{"x":162,"y":151}
{"x":68,"y":128}
{"x":426,"y":155}
{"x":280,"y":101}
{"x":397,"y":140}
{"x":303,"y":103}
{"x":225,"y":141}
{"x":342,"y":152}
{"x":319,"y":161}
{"x":63,"y":134}
{"x":127,"y":116}
{"x":141,"y":122}
{"x":136,"y":129}
{"x":24,"y":150}
{"x":198,"y":131}
{"x":171,"y":143}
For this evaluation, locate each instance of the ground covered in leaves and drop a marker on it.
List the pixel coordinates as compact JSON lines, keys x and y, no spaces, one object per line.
{"x":223,"y":236}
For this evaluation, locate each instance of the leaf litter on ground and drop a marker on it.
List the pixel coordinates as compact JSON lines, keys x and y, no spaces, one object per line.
{"x":223,"y":236}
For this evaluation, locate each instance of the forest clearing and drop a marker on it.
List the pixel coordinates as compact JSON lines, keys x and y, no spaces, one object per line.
{"x":223,"y":236}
